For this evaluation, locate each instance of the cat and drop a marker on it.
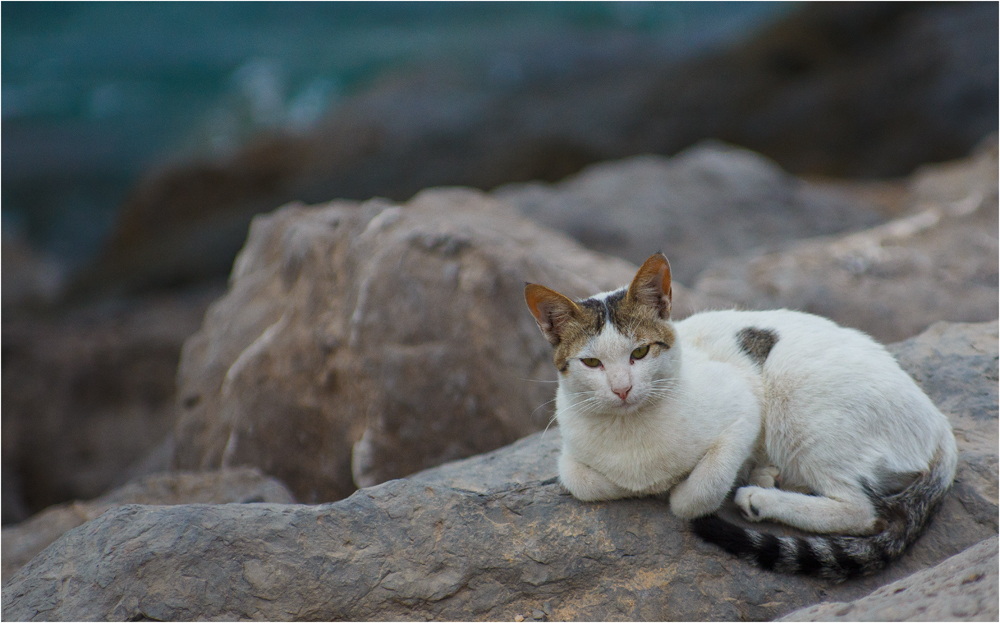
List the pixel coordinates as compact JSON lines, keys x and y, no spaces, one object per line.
{"x":816,"y":423}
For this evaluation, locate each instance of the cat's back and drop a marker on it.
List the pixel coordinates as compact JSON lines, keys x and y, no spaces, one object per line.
{"x":768,"y":341}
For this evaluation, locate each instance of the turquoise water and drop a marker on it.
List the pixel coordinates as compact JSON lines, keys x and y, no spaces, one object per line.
{"x":94,"y":94}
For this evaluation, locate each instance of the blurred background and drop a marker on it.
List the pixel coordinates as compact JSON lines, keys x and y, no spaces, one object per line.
{"x":139,"y":140}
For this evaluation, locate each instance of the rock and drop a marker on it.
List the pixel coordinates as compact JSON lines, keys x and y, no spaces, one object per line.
{"x":710,"y":201}
{"x":946,"y":360}
{"x":500,"y":541}
{"x":88,"y":391}
{"x":962,"y":588}
{"x":937,"y":263}
{"x":31,"y":279}
{"x":863,"y":90}
{"x":241,"y":485}
{"x":844,"y":90}
{"x":359,"y":343}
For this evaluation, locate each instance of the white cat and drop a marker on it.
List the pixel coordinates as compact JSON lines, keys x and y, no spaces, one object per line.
{"x":820,"y":422}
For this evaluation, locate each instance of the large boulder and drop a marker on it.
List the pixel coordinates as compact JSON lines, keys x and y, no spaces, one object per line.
{"x":962,"y":588}
{"x":710,"y":201}
{"x":487,"y":538}
{"x":88,"y":395}
{"x":24,"y":541}
{"x":363,"y":342}
{"x":939,"y":262}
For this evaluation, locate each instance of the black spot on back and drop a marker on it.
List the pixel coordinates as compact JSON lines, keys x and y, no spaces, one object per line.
{"x":757,"y":343}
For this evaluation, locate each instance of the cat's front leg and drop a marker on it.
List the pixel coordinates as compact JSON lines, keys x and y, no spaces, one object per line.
{"x":586,"y":483}
{"x":704,"y":490}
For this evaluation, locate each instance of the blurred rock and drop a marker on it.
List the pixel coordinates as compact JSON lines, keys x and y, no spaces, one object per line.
{"x":491,"y":537}
{"x":962,"y":588}
{"x":31,"y":280}
{"x":842,"y":89}
{"x":24,"y":541}
{"x":359,"y":343}
{"x":89,"y":391}
{"x":858,"y":89}
{"x":710,"y":201}
{"x":892,"y":281}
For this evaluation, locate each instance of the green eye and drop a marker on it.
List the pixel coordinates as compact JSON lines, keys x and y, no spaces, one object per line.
{"x":640,"y":352}
{"x":590,"y":362}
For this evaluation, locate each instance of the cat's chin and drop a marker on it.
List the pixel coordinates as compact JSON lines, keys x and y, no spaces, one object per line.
{"x":619,"y":407}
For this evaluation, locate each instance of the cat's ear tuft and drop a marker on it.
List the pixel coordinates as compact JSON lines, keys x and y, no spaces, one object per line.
{"x":651,"y":285}
{"x":552,"y":311}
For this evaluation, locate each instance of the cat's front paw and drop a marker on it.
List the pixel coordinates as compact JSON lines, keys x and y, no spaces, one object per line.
{"x":751,"y":507}
{"x":687,"y":500}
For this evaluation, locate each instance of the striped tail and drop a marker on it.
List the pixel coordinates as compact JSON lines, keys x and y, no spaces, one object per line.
{"x":905,"y":515}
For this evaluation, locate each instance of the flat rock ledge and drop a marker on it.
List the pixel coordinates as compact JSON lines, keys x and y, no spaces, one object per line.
{"x":244,"y":485}
{"x":487,"y":538}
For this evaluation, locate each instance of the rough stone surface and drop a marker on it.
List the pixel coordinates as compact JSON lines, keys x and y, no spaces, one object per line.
{"x":88,"y":393}
{"x":492,"y":537}
{"x":937,"y":263}
{"x":962,"y":588}
{"x":710,"y":201}
{"x":359,"y":343}
{"x":956,"y":365}
{"x":240,"y":485}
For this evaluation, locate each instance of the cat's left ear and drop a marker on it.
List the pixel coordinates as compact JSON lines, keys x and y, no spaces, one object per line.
{"x":651,"y":285}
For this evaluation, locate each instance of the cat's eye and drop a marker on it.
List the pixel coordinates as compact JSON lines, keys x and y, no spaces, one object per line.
{"x":640,"y":352}
{"x":591,"y":362}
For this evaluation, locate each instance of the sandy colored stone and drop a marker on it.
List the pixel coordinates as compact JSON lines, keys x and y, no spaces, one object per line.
{"x":363,"y":342}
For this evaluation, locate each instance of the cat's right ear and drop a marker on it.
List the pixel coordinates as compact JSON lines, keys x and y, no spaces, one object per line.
{"x":651,"y":285}
{"x":552,"y":311}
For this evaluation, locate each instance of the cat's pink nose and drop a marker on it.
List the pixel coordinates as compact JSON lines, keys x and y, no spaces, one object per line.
{"x":622,"y":393}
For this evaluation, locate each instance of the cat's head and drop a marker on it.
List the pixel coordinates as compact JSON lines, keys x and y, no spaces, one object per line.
{"x":617,"y":348}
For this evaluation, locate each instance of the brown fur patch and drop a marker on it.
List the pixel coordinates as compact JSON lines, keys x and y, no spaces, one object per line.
{"x":629,"y":317}
{"x":577,"y":333}
{"x":641,"y":322}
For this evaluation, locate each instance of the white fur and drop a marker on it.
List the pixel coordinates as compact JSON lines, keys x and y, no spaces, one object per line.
{"x":829,"y":408}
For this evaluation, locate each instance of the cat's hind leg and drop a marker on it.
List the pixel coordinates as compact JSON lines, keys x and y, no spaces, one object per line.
{"x":765,"y":477}
{"x":850,"y":512}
